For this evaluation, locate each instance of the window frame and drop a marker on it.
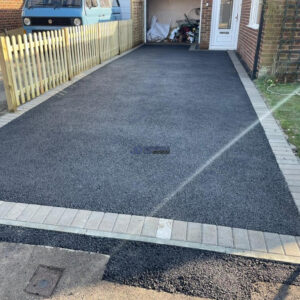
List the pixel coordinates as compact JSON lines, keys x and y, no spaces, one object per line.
{"x":254,"y":14}
{"x":118,"y":4}
{"x":105,"y":4}
{"x":92,"y":4}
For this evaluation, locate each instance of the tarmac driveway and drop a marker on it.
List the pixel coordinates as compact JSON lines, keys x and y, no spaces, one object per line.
{"x":78,"y":149}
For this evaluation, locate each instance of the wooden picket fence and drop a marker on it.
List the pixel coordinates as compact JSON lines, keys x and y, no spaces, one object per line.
{"x":33,"y":64}
{"x":125,"y":35}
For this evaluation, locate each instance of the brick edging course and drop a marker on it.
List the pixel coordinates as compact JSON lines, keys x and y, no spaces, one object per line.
{"x":235,"y":241}
{"x":288,"y":163}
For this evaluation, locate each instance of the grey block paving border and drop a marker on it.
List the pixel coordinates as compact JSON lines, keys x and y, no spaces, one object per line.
{"x":286,"y":159}
{"x":235,"y":241}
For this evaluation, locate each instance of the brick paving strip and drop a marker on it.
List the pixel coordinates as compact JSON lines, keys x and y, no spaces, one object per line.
{"x":235,"y":241}
{"x":288,"y":163}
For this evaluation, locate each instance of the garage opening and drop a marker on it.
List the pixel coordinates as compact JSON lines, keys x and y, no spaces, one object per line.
{"x":209,"y":24}
{"x":177,"y":21}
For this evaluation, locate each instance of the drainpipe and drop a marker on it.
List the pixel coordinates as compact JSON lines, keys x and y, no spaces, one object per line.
{"x":200,"y":21}
{"x":145,"y":21}
{"x":259,"y":40}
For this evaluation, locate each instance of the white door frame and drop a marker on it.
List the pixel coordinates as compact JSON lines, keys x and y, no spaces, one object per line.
{"x":145,"y":21}
{"x":213,"y":28}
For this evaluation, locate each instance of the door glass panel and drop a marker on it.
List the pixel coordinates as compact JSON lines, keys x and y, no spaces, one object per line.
{"x":225,"y":14}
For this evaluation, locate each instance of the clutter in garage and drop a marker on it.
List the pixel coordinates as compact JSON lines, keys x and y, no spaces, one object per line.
{"x":186,"y":31}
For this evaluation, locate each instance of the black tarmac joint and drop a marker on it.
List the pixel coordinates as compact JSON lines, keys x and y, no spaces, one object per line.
{"x":165,"y":268}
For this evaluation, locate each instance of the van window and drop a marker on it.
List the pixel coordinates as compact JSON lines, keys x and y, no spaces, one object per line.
{"x":116,"y":3}
{"x":55,"y":3}
{"x":105,"y":3}
{"x":109,"y":3}
{"x":91,"y":3}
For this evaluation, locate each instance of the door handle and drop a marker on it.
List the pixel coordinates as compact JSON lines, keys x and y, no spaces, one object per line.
{"x":237,"y":17}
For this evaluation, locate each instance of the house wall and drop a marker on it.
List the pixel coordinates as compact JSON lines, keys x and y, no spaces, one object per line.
{"x":273,"y":18}
{"x":206,"y":23}
{"x":137,"y":15}
{"x":247,"y":42}
{"x":270,"y":36}
{"x":10,"y":14}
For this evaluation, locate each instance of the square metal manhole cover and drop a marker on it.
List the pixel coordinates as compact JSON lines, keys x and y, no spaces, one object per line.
{"x":44,"y":281}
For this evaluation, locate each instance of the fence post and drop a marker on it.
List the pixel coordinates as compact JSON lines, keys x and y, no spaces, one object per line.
{"x":100,"y":42}
{"x":68,"y":52}
{"x":119,"y":29}
{"x":119,"y":37}
{"x":7,"y":76}
{"x":131,"y":34}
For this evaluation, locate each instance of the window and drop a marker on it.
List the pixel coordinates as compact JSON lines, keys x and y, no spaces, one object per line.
{"x":53,"y":3}
{"x":109,"y":3}
{"x":255,"y":13}
{"x":105,"y":3}
{"x":225,"y":14}
{"x":91,"y":3}
{"x":116,"y":3}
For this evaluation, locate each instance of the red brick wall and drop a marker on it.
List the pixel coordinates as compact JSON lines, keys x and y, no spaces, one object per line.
{"x":137,"y":15}
{"x":270,"y":36}
{"x":273,"y":18}
{"x":10,"y":14}
{"x":247,"y":37}
{"x":206,"y":23}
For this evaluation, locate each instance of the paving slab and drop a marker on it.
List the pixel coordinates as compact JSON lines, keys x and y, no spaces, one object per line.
{"x":271,"y":291}
{"x":18,"y":262}
{"x":106,"y":290}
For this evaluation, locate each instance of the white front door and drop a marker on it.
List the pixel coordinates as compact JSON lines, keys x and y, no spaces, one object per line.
{"x":225,"y":24}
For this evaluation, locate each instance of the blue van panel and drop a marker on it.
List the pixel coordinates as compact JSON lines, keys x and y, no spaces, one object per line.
{"x":67,"y":14}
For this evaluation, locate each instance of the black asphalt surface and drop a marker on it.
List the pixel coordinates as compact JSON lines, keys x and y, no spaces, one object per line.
{"x":78,"y":148}
{"x":165,"y":268}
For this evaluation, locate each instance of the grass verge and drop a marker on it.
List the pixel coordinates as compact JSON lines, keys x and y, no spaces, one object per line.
{"x":288,"y":114}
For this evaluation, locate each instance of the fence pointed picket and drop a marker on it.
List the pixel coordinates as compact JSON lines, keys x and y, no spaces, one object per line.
{"x":95,"y":44}
{"x":12,"y":69}
{"x":19,"y":80}
{"x":29,"y":66}
{"x":68,"y":54}
{"x":78,"y":49}
{"x":97,"y":37}
{"x":24,"y":69}
{"x":55,"y":67}
{"x":64,"y":56}
{"x":40,"y":44}
{"x":7,"y":76}
{"x":38,"y":63}
{"x":76,"y":62}
{"x":90,"y":50}
{"x":34,"y":65}
{"x":59,"y":56}
{"x":47,"y":58}
{"x":101,"y":41}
